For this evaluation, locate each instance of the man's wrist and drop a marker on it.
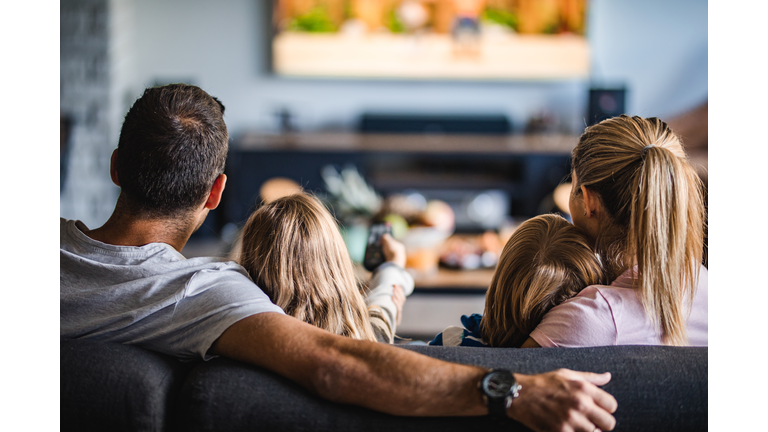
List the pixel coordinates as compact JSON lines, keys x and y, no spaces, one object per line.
{"x":511,"y":411}
{"x":499,"y":389}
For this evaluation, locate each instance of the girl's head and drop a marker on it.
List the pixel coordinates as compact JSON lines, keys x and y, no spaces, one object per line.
{"x":293,"y":250}
{"x":545,"y":262}
{"x":641,"y":203}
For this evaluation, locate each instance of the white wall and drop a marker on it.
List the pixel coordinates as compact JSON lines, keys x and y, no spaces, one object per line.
{"x":658,"y":48}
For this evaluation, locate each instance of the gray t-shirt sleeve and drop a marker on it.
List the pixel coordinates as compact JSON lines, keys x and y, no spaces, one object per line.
{"x":212,"y":300}
{"x":150,"y":295}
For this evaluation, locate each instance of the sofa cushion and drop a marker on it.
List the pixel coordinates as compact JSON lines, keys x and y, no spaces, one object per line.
{"x":114,"y":387}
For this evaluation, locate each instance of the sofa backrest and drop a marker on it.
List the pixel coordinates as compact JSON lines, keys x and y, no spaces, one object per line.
{"x":657,"y":387}
{"x":120,"y":388}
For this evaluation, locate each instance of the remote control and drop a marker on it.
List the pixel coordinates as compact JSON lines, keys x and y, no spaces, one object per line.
{"x":374,"y":256}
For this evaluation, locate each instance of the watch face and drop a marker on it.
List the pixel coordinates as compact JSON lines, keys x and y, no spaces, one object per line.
{"x":497,"y":384}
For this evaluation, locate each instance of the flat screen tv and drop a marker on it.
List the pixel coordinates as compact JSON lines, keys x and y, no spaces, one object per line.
{"x":430,"y":39}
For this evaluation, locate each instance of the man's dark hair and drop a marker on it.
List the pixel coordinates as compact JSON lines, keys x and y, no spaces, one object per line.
{"x":173,"y":145}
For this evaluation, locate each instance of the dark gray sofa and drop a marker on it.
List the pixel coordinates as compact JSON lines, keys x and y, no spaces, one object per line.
{"x":112,"y":387}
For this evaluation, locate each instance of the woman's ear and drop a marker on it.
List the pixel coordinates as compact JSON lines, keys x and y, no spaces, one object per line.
{"x":592,"y":205}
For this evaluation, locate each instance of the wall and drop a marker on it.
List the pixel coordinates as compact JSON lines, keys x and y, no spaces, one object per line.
{"x":657,"y":48}
{"x":85,"y":95}
{"x":666,"y":71}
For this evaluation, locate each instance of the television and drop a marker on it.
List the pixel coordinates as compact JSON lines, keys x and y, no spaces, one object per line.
{"x":430,"y":39}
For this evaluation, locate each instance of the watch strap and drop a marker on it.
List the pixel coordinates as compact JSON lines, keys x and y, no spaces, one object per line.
{"x":497,"y":407}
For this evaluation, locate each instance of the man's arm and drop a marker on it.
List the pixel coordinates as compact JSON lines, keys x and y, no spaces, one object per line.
{"x":401,"y":382}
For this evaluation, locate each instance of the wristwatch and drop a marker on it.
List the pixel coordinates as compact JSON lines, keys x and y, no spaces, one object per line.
{"x":499,"y":389}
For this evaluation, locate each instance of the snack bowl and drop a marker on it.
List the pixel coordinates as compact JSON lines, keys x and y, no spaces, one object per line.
{"x":422,"y":250}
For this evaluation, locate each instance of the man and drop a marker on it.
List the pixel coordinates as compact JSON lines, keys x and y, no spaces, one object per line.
{"x":127,"y":282}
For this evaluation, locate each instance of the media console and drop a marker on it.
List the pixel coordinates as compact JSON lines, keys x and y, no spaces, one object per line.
{"x":526,"y":168}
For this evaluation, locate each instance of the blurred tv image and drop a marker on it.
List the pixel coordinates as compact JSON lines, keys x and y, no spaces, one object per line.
{"x":431,"y":39}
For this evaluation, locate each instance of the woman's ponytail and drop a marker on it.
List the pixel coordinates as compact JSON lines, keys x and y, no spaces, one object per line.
{"x":661,"y":238}
{"x":655,"y":213}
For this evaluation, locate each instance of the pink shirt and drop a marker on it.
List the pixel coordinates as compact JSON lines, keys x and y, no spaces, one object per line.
{"x":613,"y":315}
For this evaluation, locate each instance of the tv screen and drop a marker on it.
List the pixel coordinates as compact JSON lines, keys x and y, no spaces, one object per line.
{"x":431,"y":39}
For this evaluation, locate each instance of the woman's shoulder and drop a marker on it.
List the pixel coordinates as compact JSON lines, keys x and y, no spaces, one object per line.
{"x":592,"y":298}
{"x":584,"y":320}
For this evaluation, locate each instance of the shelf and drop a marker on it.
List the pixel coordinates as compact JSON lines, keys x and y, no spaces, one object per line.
{"x":408,"y":143}
{"x":496,"y":56}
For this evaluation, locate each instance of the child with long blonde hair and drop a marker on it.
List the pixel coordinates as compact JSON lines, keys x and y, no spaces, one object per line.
{"x":293,"y":250}
{"x":545,"y":262}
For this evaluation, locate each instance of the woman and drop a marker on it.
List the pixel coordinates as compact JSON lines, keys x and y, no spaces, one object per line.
{"x":545,"y":262}
{"x":293,"y":250}
{"x":640,"y":204}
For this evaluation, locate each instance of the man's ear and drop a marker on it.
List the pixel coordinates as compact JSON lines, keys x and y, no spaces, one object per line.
{"x":214,"y":198}
{"x":592,"y":204}
{"x":113,"y":168}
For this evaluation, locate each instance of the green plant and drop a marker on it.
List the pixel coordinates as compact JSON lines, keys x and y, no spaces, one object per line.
{"x":393,"y":22}
{"x":501,"y":17}
{"x":350,"y":197}
{"x":314,"y":21}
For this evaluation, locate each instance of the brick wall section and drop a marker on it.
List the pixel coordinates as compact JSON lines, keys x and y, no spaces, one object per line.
{"x":86,"y":93}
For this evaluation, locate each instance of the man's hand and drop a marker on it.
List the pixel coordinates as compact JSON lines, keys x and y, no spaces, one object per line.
{"x":394,"y":251}
{"x":564,"y":400}
{"x":398,"y":297}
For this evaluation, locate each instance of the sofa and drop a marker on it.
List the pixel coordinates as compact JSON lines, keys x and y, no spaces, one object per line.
{"x":113,"y":387}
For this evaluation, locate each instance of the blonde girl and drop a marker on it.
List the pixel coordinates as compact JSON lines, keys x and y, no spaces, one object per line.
{"x":640,"y":203}
{"x":293,"y":250}
{"x":545,"y":262}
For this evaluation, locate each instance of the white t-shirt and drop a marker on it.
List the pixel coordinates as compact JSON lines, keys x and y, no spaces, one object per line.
{"x":613,"y":315}
{"x":150,"y":296}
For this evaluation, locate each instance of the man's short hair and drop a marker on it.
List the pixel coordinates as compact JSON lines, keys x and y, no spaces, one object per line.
{"x":173,"y":145}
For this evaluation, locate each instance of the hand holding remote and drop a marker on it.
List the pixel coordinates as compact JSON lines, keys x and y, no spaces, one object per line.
{"x":374,"y":253}
{"x":393,"y":250}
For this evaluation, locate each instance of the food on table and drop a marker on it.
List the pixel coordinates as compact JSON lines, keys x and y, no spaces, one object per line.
{"x":471,"y":252}
{"x":421,"y":225}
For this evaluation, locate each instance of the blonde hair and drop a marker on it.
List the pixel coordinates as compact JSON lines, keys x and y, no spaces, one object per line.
{"x":293,"y":250}
{"x":545,"y":262}
{"x":655,"y":213}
